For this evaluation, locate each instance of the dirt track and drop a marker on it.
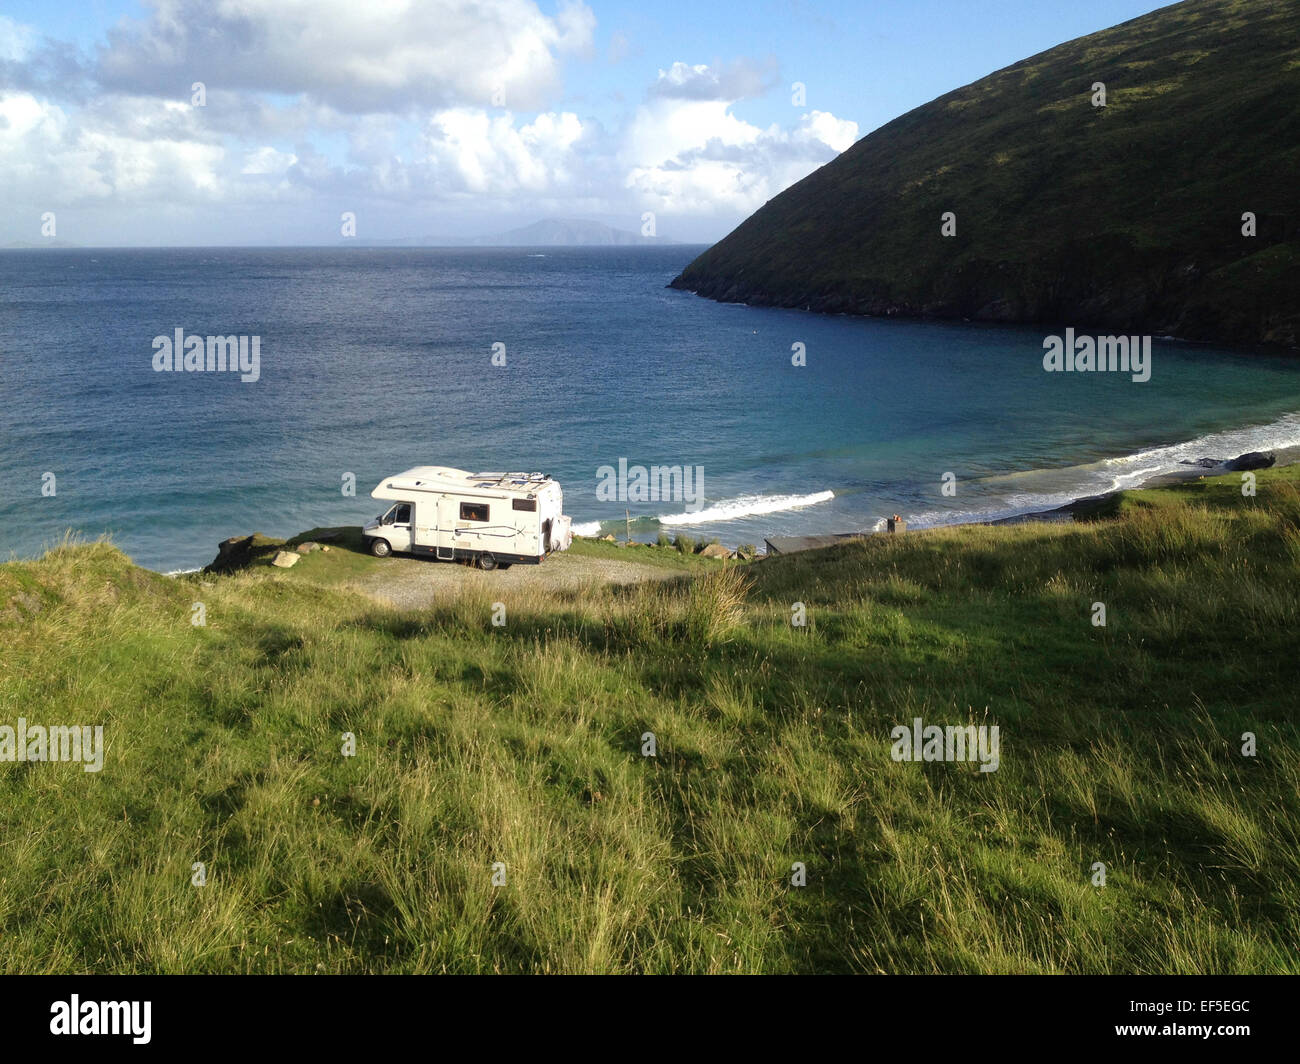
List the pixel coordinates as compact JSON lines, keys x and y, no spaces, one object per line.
{"x":413,"y":583}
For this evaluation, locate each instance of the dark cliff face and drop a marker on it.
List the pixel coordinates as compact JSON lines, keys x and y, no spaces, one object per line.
{"x":1127,"y":217}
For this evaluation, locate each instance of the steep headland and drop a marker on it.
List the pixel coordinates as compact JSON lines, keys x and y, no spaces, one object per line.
{"x":1127,"y":216}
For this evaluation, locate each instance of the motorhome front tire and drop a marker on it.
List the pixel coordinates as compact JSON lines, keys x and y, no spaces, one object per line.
{"x":380,"y":548}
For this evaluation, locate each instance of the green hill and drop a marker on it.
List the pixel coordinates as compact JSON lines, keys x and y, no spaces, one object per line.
{"x":1124,"y":217}
{"x":522,"y":744}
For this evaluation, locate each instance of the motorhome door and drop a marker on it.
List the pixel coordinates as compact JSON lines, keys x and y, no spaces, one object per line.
{"x":446,"y":540}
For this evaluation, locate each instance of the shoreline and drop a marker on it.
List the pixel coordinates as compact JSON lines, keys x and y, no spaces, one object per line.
{"x":1283,"y":456}
{"x":1066,"y":512}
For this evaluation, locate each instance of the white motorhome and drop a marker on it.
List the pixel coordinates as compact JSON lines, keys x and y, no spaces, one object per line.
{"x":488,"y":518}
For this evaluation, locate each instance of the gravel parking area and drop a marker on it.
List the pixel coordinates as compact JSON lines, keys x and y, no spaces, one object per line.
{"x":413,"y":583}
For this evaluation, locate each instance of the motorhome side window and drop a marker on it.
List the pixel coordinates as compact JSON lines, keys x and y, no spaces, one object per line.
{"x":403,"y":516}
{"x":473,"y":511}
{"x":524,"y":504}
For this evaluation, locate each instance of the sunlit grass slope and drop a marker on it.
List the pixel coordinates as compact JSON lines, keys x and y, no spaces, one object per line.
{"x":521,"y":745}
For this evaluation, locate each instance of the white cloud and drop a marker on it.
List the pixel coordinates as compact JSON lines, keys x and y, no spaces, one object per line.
{"x":665,"y":128}
{"x":686,"y":151}
{"x":16,"y":40}
{"x":382,"y":55}
{"x":822,"y":127}
{"x":267,"y":160}
{"x":738,"y":81}
{"x":136,"y":155}
{"x":473,"y":151}
{"x":383,"y":107}
{"x":680,"y":153}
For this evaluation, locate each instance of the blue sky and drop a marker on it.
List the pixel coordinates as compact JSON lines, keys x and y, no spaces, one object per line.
{"x":437,"y":118}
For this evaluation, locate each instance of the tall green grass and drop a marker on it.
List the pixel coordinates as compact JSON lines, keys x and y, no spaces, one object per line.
{"x":522,"y":744}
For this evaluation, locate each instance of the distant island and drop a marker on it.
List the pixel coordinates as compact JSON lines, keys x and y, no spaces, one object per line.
{"x":549,"y":232}
{"x":1140,"y":179}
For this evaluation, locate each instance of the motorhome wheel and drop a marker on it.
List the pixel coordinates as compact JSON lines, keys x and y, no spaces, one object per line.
{"x":486,"y":562}
{"x":380,"y":548}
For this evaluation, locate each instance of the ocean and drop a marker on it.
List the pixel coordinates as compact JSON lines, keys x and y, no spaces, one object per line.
{"x":373,"y":360}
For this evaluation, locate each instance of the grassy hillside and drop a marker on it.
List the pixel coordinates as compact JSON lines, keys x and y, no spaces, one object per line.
{"x":522,"y":744}
{"x":1127,"y":216}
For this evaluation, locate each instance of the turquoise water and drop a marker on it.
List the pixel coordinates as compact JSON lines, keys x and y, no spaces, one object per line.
{"x":374,"y":360}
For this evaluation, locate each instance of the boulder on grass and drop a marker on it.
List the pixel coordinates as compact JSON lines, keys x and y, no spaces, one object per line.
{"x":286,"y":559}
{"x":307,"y":548}
{"x":715,"y":550}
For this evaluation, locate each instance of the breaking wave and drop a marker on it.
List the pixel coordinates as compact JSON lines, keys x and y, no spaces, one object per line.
{"x":746,"y":506}
{"x":1037,"y":490}
{"x":724,"y":510}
